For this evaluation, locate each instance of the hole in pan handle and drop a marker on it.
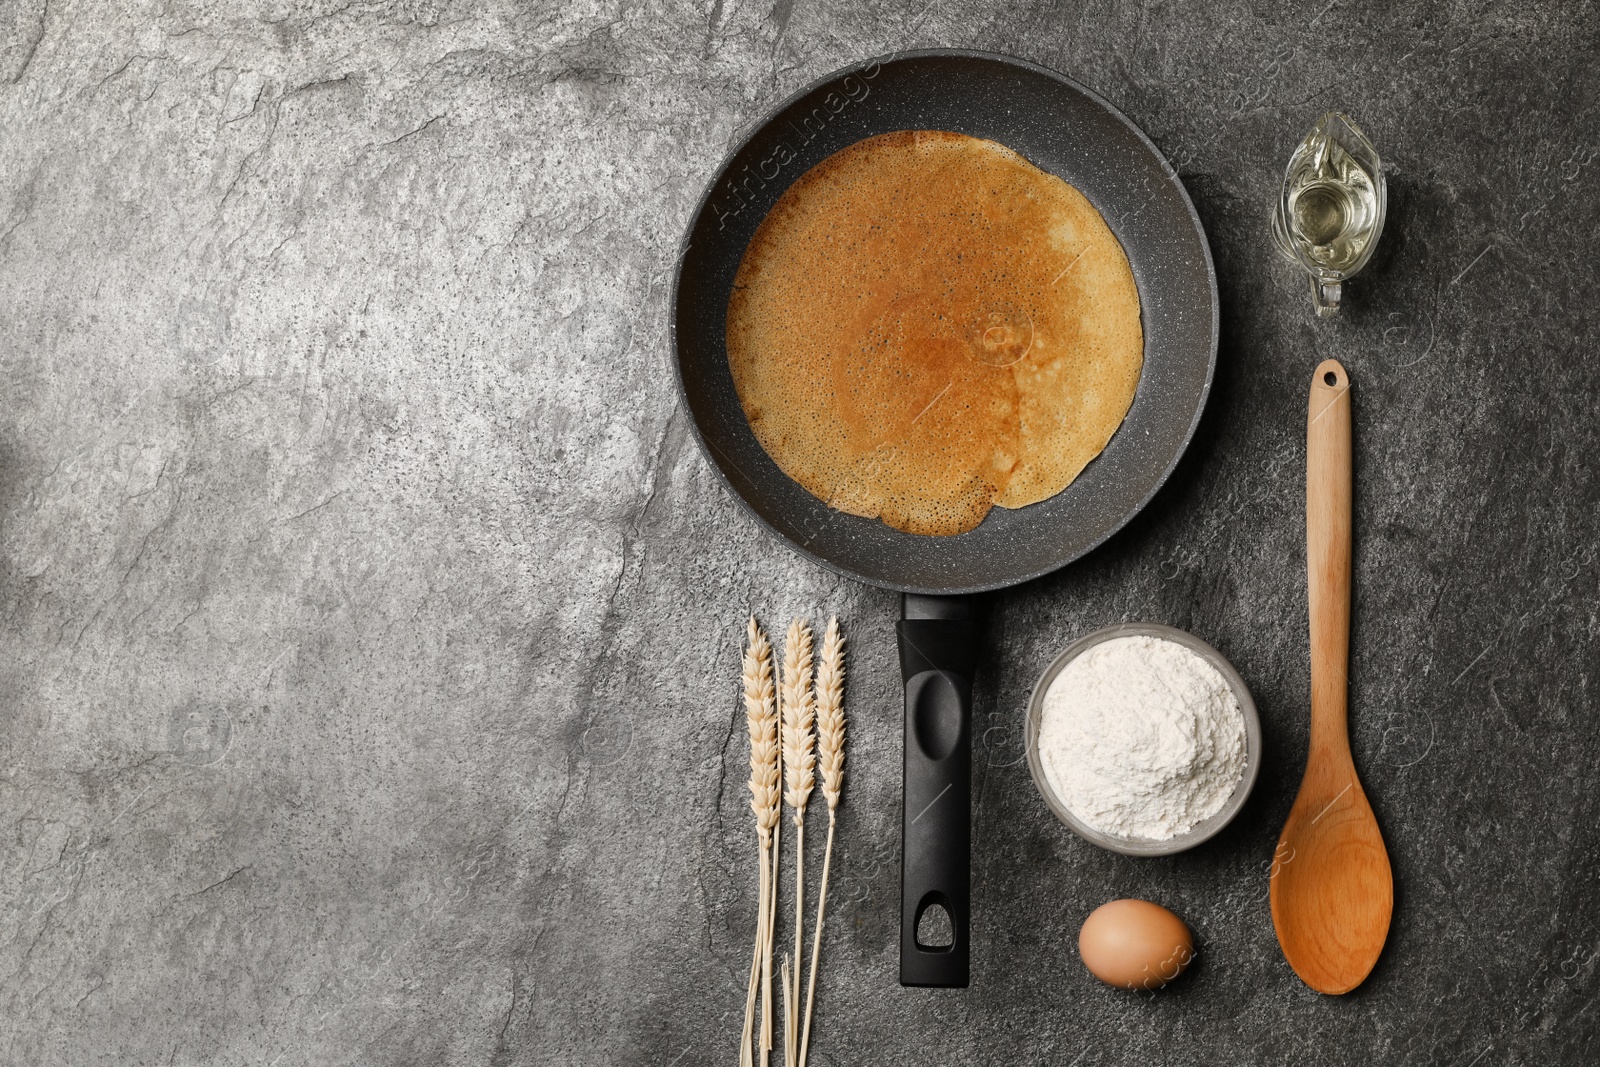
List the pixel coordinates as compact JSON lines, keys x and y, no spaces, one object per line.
{"x":938,"y":651}
{"x":934,"y":932}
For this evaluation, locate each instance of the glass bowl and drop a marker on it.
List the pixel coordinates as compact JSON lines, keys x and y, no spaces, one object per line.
{"x":1202,"y":831}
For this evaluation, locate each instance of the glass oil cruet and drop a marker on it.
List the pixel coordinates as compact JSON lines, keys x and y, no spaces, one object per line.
{"x":1330,"y":212}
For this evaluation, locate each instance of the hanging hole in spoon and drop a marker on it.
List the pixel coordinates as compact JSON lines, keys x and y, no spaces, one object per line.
{"x":1331,"y":378}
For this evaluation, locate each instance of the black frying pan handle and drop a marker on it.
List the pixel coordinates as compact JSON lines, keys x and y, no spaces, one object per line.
{"x":938,"y":651}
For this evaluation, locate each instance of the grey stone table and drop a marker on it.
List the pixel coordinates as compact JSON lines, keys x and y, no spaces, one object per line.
{"x":370,"y":621}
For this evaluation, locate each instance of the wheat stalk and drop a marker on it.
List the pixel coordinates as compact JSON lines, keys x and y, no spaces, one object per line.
{"x":766,"y":948}
{"x":798,"y":712}
{"x":830,"y":745}
{"x":771,"y":903}
{"x":761,"y":715}
{"x":790,"y":1008}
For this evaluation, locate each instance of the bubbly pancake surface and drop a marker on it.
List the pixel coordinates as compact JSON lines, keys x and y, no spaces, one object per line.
{"x":926,"y":325}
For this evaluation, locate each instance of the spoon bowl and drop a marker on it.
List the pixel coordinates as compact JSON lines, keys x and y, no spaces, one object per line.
{"x":1332,"y":889}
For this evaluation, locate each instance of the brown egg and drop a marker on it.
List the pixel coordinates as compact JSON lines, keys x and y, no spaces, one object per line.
{"x":1133,"y":944}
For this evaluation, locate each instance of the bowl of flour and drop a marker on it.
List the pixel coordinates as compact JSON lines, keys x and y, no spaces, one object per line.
{"x":1143,"y":739}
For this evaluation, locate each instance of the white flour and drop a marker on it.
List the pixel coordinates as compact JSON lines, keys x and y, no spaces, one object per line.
{"x":1140,"y":737}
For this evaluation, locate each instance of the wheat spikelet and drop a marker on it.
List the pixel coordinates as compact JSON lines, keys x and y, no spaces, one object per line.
{"x":761,"y":716}
{"x":830,"y":743}
{"x":830,"y":716}
{"x":799,"y":714}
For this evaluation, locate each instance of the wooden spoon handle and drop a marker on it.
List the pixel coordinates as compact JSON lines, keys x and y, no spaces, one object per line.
{"x":1328,"y":506}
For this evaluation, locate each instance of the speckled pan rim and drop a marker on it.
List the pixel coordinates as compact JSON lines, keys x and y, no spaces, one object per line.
{"x":1207,"y":829}
{"x":754,"y":130}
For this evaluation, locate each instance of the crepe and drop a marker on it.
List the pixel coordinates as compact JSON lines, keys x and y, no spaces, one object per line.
{"x":926,"y":325}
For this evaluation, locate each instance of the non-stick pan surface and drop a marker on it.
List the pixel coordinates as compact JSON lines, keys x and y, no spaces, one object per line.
{"x":1059,"y":126}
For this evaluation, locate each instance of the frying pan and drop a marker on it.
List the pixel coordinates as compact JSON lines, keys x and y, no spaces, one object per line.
{"x":1067,"y":130}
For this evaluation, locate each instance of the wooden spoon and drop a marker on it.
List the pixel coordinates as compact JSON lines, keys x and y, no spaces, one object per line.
{"x":1331,"y":887}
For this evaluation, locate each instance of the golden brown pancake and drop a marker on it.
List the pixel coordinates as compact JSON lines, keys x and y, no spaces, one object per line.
{"x":926,"y":325}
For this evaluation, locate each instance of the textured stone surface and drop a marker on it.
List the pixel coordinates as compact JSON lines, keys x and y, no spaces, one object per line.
{"x":370,"y":620}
